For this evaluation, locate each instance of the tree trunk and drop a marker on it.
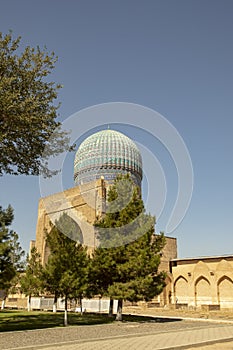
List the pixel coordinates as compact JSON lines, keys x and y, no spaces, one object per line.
{"x":65,"y":313}
{"x":29,"y":302}
{"x":55,"y":303}
{"x":81,"y":306}
{"x":110,"y":311}
{"x":3,"y":303}
{"x":119,"y":310}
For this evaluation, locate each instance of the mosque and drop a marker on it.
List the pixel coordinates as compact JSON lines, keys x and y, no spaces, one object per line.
{"x":192,"y":282}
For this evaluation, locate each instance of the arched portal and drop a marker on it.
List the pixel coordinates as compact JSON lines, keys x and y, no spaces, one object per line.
{"x":70,"y":228}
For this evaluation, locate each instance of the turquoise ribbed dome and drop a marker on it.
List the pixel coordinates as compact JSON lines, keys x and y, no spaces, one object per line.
{"x":107,"y":153}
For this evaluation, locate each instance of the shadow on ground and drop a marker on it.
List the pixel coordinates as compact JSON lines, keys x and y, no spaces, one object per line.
{"x":23,"y":320}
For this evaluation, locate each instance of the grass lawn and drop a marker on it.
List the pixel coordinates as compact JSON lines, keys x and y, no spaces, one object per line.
{"x":24,"y":320}
{"x":14,"y":320}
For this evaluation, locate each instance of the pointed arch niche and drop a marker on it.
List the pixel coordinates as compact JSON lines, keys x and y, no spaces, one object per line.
{"x":202,"y":291}
{"x":180,"y":290}
{"x":225,"y":292}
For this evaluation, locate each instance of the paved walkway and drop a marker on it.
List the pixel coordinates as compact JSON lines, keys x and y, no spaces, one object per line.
{"x":171,"y":340}
{"x":216,"y":346}
{"x":129,"y":336}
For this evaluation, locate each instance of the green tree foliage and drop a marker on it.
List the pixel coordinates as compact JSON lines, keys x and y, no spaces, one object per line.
{"x":31,"y":279}
{"x":17,"y":257}
{"x":67,"y":268}
{"x":126,"y":263}
{"x":27,"y":110}
{"x":137,"y":272}
{"x":10,"y":251}
{"x":17,"y":253}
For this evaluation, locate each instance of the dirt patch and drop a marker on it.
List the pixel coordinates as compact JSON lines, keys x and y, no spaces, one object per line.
{"x":159,"y":311}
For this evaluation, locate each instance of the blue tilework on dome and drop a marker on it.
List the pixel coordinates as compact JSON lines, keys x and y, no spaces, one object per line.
{"x":107,"y":153}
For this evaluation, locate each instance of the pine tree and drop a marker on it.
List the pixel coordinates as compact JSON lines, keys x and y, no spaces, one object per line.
{"x":101,"y":272}
{"x":31,"y":279}
{"x":17,"y":258}
{"x":67,"y":268}
{"x":129,"y":250}
{"x":11,"y":253}
{"x":7,"y":270}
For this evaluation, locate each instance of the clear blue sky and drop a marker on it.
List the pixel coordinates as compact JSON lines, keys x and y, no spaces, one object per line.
{"x":175,"y":57}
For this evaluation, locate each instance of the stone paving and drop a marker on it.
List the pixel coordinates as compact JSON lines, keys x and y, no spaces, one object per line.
{"x":171,"y":340}
{"x":165,"y":334}
{"x":216,"y":346}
